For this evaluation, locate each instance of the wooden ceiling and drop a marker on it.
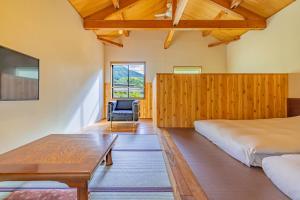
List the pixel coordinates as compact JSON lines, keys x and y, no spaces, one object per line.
{"x":226,"y":20}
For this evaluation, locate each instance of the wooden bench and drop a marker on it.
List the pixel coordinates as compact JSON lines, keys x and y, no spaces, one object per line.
{"x":68,"y":158}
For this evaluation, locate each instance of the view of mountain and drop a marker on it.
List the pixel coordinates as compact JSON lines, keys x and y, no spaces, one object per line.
{"x":120,"y":72}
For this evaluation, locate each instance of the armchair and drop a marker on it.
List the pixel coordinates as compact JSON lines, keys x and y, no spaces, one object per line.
{"x":123,"y":110}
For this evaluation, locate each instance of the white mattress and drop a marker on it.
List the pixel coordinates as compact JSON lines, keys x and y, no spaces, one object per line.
{"x":284,"y":172}
{"x":249,"y":141}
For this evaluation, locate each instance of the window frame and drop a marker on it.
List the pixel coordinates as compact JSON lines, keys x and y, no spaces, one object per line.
{"x":199,"y":66}
{"x":111,"y":79}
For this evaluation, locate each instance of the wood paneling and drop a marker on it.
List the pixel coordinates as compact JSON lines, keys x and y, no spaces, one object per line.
{"x":182,"y":99}
{"x":145,"y":104}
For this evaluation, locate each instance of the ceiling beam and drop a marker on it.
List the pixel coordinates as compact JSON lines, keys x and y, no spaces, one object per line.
{"x":218,"y":17}
{"x":110,"y":41}
{"x":224,"y":42}
{"x":247,"y":14}
{"x":180,"y":6}
{"x":102,"y":14}
{"x":235,"y":3}
{"x":116,"y":4}
{"x":174,"y":8}
{"x":125,"y":32}
{"x":169,"y":39}
{"x":168,"y":24}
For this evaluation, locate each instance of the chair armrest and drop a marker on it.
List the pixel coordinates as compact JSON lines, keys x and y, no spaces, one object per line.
{"x":136,"y":110}
{"x":110,"y":107}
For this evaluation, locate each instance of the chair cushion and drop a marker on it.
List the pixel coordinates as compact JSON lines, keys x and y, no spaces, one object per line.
{"x":124,"y":104}
{"x":122,"y":115}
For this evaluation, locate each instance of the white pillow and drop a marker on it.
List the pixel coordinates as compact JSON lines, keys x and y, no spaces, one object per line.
{"x":284,"y":172}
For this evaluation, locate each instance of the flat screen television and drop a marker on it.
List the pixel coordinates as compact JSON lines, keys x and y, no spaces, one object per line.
{"x":19,"y":76}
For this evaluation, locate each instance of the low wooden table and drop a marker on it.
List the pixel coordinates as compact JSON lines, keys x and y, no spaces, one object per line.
{"x":71,"y":159}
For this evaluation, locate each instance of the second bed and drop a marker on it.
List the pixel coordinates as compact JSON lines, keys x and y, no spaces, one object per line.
{"x":249,"y":141}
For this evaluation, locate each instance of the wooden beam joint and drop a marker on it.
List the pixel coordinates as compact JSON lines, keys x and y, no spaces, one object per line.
{"x":116,"y":4}
{"x":218,"y":17}
{"x":224,"y":42}
{"x":110,"y":42}
{"x":104,"y":13}
{"x":235,"y":3}
{"x":247,"y":14}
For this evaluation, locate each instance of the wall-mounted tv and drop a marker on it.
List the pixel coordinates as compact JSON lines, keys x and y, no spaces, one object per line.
{"x":19,"y":76}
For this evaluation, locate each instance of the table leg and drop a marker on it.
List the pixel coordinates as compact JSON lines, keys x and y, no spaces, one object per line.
{"x":109,"y":159}
{"x":82,"y":192}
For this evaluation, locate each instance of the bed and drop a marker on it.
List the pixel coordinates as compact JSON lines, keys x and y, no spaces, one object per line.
{"x":284,"y":172}
{"x":250,"y":141}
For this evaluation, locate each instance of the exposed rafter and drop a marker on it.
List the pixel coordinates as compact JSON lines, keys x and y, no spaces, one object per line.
{"x":125,"y":32}
{"x":247,"y":14}
{"x":168,"y":24}
{"x":224,"y":42}
{"x":235,"y":3}
{"x":116,"y":4}
{"x":180,"y":6}
{"x":102,"y":14}
{"x":174,"y":8}
{"x":110,"y":42}
{"x":218,"y":17}
{"x":169,"y":39}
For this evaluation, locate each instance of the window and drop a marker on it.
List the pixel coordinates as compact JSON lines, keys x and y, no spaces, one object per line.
{"x":27,"y":72}
{"x":128,"y":80}
{"x":187,"y":70}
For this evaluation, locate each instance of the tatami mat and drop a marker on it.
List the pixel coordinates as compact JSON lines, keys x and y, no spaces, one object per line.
{"x":130,"y":170}
{"x":137,"y":142}
{"x":133,"y":169}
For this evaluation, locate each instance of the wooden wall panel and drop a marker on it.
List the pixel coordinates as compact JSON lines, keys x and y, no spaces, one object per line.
{"x":145,"y":104}
{"x":182,"y":99}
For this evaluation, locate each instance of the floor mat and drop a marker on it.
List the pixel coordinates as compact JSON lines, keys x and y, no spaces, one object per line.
{"x":137,"y":142}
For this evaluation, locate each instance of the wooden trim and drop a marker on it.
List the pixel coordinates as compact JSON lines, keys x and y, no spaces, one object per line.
{"x":169,"y":39}
{"x":102,"y":14}
{"x":110,"y":42}
{"x":229,"y":74}
{"x":293,"y":107}
{"x":247,"y":14}
{"x":184,"y":182}
{"x":168,"y":24}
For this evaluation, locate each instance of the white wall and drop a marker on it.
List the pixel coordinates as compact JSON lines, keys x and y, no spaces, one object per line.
{"x":188,"y":48}
{"x":275,"y":49}
{"x":71,"y":70}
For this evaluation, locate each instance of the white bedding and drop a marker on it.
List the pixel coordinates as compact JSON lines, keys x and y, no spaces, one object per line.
{"x":284,"y":172}
{"x":249,"y":141}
